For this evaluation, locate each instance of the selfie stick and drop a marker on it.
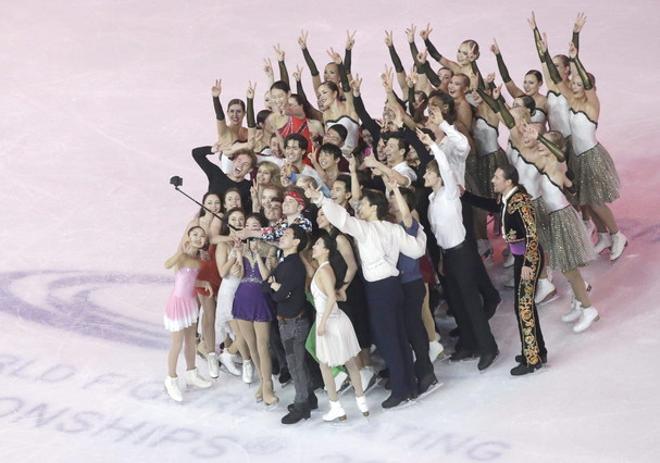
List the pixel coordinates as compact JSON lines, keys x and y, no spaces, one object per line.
{"x":177,"y":182}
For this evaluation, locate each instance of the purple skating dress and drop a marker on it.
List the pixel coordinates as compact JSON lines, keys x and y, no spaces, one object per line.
{"x":250,"y":302}
{"x":182,"y":309}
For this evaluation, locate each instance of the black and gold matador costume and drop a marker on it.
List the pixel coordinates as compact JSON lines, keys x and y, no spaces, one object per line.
{"x":519,"y":231}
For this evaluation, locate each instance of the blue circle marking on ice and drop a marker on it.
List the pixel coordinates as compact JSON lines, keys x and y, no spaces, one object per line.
{"x":79,"y":313}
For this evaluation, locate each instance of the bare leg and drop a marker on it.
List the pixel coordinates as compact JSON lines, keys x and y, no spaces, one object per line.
{"x":364,"y":358}
{"x":262,"y":331}
{"x":189,"y":336}
{"x":604,"y":214}
{"x":247,"y":330}
{"x":354,"y":374}
{"x":329,"y":381}
{"x":576,"y":281}
{"x":175,"y":350}
{"x":208,"y":324}
{"x":239,"y":344}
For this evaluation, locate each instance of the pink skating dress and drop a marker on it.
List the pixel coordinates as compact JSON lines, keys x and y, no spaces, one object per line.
{"x":182,"y":309}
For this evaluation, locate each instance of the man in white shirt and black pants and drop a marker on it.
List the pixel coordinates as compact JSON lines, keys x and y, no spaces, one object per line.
{"x":379,"y":244}
{"x":460,"y":259}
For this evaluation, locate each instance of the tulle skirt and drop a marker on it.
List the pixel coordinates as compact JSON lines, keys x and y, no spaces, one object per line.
{"x":595,"y":177}
{"x":339,"y":344}
{"x":571,"y":247}
{"x":485,"y":168}
{"x":180,"y":313}
{"x":542,"y":225}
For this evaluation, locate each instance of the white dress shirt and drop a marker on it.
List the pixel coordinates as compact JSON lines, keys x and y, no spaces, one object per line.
{"x":404,"y":169}
{"x":445,"y":210}
{"x":456,"y":147}
{"x":379,"y":243}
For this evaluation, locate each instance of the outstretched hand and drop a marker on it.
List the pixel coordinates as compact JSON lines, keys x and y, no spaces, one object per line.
{"x":279,"y":53}
{"x":250,"y":90}
{"x":532,"y":21}
{"x":424,"y":137}
{"x":388,"y":39}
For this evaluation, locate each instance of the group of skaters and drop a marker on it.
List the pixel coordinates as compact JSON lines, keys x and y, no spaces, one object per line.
{"x":327,"y":234}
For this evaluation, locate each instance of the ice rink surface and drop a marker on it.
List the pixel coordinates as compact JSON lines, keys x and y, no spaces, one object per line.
{"x":102,"y":102}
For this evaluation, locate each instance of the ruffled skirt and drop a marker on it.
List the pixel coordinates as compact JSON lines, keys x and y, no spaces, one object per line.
{"x":595,"y":177}
{"x":542,"y":225}
{"x":571,"y":247}
{"x":339,"y":344}
{"x":180,"y":313}
{"x":485,"y":168}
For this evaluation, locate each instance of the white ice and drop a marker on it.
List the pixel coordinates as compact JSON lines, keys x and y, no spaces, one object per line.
{"x":102,"y":102}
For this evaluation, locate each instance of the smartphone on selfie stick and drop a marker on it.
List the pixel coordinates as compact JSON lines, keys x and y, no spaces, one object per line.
{"x":177,"y":181}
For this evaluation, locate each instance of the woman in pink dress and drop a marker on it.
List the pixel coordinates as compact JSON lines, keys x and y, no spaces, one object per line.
{"x":181,"y":311}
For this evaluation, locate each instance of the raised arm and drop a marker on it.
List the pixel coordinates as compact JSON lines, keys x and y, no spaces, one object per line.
{"x":200,"y":156}
{"x":363,"y":115}
{"x":302,"y":41}
{"x":337,"y":215}
{"x":513,"y":89}
{"x":396,"y":60}
{"x":577,"y":28}
{"x":404,"y":210}
{"x":589,"y":90}
{"x":435,"y":54}
{"x":221,"y":123}
{"x":281,"y":64}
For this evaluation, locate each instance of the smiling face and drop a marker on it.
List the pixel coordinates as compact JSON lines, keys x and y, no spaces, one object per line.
{"x":338,"y":193}
{"x":273,"y":211}
{"x":288,"y":240}
{"x":331,"y":73}
{"x":232,"y":200}
{"x":432,"y":179}
{"x":279,"y":99}
{"x":445,"y":76}
{"x":531,"y":85}
{"x":296,"y":109}
{"x":252,"y":224}
{"x":327,"y":159}
{"x":242,"y":165}
{"x":212,"y":202}
{"x":290,"y":206}
{"x":267,"y":195}
{"x":235,"y":114}
{"x":326,"y":97}
{"x":264,"y":175}
{"x":365,"y":209}
{"x":197,"y":237}
{"x":457,"y":87}
{"x":293,"y":153}
{"x":462,"y":54}
{"x":237,"y":220}
{"x":393,"y":153}
{"x":577,"y":87}
{"x":332,"y":137}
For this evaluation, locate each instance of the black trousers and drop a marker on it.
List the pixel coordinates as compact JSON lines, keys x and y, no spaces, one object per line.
{"x":413,"y":293}
{"x":490,"y":295}
{"x":529,"y":327}
{"x":388,"y":329}
{"x":461,"y":267}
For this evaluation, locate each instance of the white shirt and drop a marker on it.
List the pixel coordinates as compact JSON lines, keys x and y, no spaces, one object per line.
{"x":505,"y":199}
{"x":379,"y":243}
{"x":457,"y":147}
{"x":445,"y":210}
{"x":404,"y":169}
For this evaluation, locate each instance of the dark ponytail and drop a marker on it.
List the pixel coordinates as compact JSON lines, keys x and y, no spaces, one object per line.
{"x":336,"y":260}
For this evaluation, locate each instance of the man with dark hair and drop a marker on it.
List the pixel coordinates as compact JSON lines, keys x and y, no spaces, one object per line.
{"x":341,"y":191}
{"x":397,"y":168}
{"x":379,"y":244}
{"x":336,"y":135}
{"x":295,"y":146}
{"x":326,"y":162}
{"x":287,"y":284}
